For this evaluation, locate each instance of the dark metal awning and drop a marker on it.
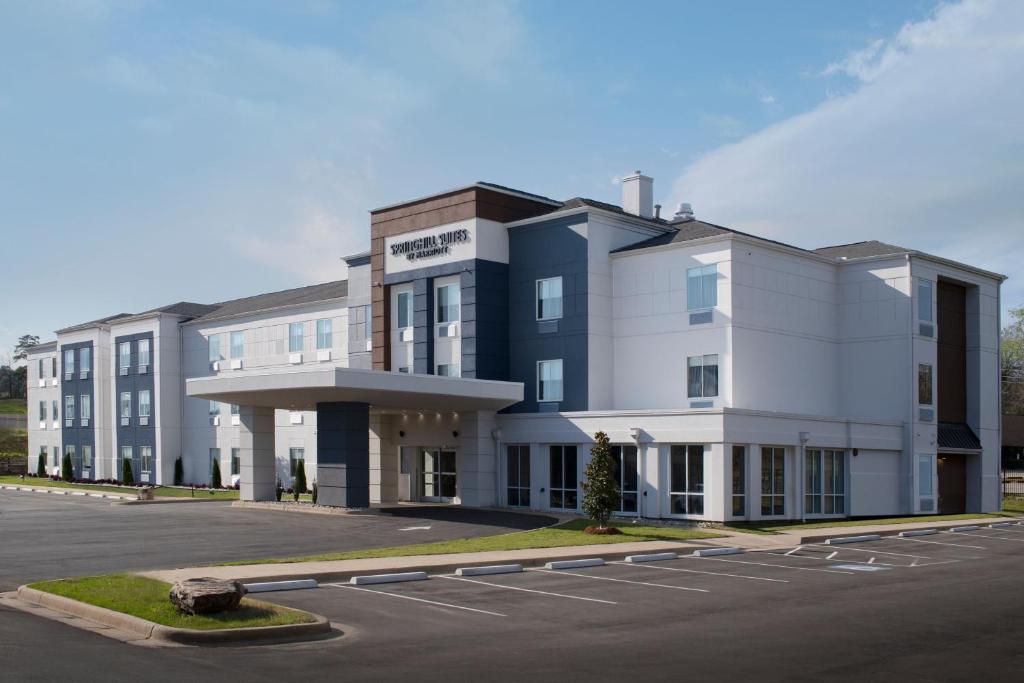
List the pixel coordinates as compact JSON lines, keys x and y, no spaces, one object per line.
{"x":958,"y":436}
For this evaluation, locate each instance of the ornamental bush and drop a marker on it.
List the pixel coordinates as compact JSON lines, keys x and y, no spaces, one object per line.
{"x":179,"y":472}
{"x":41,"y":465}
{"x":600,"y":491}
{"x":127,"y":478}
{"x":215,"y":475}
{"x":299,"y":485}
{"x":67,"y":472}
{"x":314,"y":492}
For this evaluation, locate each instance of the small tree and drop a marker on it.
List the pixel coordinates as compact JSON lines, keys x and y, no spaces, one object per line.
{"x":600,"y":491}
{"x":41,"y":465}
{"x":299,"y":485}
{"x":127,"y":478}
{"x":215,"y":482}
{"x":179,"y":472}
{"x":278,"y":490}
{"x":67,"y":472}
{"x":314,"y":491}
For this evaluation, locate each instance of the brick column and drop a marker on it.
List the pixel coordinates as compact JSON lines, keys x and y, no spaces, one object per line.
{"x":343,"y":454}
{"x":256,"y":450}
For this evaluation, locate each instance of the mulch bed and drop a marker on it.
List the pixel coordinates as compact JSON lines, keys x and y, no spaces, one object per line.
{"x":599,"y":531}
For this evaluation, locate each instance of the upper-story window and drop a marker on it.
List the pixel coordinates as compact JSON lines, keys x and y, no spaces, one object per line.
{"x":214,"y":408}
{"x":69,"y":363}
{"x":924,"y":384}
{"x":238,"y":344}
{"x":53,"y":366}
{"x":42,"y":411}
{"x":549,"y":298}
{"x":702,"y":287}
{"x":549,"y":380}
{"x":85,"y":362}
{"x":42,"y":369}
{"x":324,"y":334}
{"x":294,"y":339}
{"x":448,"y":370}
{"x":404,"y":303}
{"x":144,"y":356}
{"x":69,"y":408}
{"x":126,"y":405}
{"x":85,"y":405}
{"x":448,"y":303}
{"x":215,"y":351}
{"x":924,"y":301}
{"x":144,"y":403}
{"x":359,"y":323}
{"x":702,"y":376}
{"x":55,"y":405}
{"x":124,"y":357}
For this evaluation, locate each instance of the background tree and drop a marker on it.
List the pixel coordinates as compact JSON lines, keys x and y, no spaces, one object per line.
{"x":601,"y":494}
{"x":25,"y":342}
{"x":1012,"y":363}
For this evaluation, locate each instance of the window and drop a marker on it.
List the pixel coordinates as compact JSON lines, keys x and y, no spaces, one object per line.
{"x":234,"y":409}
{"x":69,"y":363}
{"x":124,"y":355}
{"x":69,"y":451}
{"x":214,"y":409}
{"x":85,"y":405}
{"x":144,"y":403}
{"x":215,"y":352}
{"x":701,"y":287}
{"x":563,"y":477}
{"x":69,"y":409}
{"x":924,"y":301}
{"x":42,"y":369}
{"x":294,"y":339}
{"x":42,"y":458}
{"x":86,"y":457}
{"x":448,"y":303}
{"x":517,"y":463}
{"x":146,"y":456}
{"x":702,"y":376}
{"x":294,"y":456}
{"x":626,"y":477}
{"x":924,"y":384}
{"x":56,"y":417}
{"x":214,"y":458}
{"x":549,"y":298}
{"x":237,"y":344}
{"x":448,"y":370}
{"x":53,"y":368}
{"x":773,"y":481}
{"x":236,"y":461}
{"x":85,"y":361}
{"x":144,"y":359}
{"x":825,"y":488}
{"x":359,"y":323}
{"x":549,"y":380}
{"x":925,"y":483}
{"x":42,"y":411}
{"x":324,"y":334}
{"x":127,"y":455}
{"x":126,"y":405}
{"x":404,"y":302}
{"x":739,"y":481}
{"x":686,"y":480}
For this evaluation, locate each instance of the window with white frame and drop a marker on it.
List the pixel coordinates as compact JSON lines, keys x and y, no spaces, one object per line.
{"x":686,"y":479}
{"x":236,"y":461}
{"x":924,"y":384}
{"x":739,"y":481}
{"x":549,"y":298}
{"x":214,"y":408}
{"x":86,"y":457}
{"x":925,"y":311}
{"x":238,"y":344}
{"x":702,"y":287}
{"x":925,"y":483}
{"x":127,"y":454}
{"x":404,"y":313}
{"x":549,"y":380}
{"x":448,"y":369}
{"x":448,"y":303}
{"x":626,"y":476}
{"x":85,"y":361}
{"x":144,"y":403}
{"x":324,"y":334}
{"x":126,"y":405}
{"x":773,"y":481}
{"x":215,"y":351}
{"x":85,"y":405}
{"x":235,"y":410}
{"x":69,"y":362}
{"x":825,"y":485}
{"x":702,"y":376}
{"x":69,"y":409}
{"x":144,"y":356}
{"x":295,"y":338}
{"x":146,"y":459}
{"x":124,"y":355}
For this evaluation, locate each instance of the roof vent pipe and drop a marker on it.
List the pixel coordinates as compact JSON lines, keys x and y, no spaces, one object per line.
{"x":638,"y":195}
{"x":657,"y":212}
{"x":684,"y":212}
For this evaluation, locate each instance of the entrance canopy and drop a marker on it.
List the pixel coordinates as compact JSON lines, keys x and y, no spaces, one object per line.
{"x":302,"y":388}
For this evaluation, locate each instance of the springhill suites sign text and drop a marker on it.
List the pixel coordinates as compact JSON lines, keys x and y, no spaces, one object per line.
{"x":430,"y":245}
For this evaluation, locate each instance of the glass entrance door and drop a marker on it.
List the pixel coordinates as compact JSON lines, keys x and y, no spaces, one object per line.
{"x":437,"y":475}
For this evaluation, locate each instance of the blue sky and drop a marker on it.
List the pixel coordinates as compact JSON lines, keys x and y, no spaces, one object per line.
{"x":158,"y":151}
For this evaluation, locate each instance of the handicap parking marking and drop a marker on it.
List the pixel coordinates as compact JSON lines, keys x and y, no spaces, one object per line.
{"x":525,"y":590}
{"x":772,"y":564}
{"x":698,"y":571}
{"x":415,"y":599}
{"x":609,"y":578}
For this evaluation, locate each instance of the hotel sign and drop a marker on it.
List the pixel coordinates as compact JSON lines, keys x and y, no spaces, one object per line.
{"x":430,"y":246}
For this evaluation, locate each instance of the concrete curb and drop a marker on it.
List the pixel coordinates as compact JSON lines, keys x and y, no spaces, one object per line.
{"x":575,"y":564}
{"x":67,"y":492}
{"x":653,"y":557}
{"x":712,"y":552}
{"x":169,"y":634}
{"x":401,"y":577}
{"x":853,"y":539}
{"x":918,"y":532}
{"x":962,"y":529}
{"x":489,"y":570}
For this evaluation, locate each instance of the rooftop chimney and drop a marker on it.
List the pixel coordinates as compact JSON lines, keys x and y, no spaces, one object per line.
{"x":684,"y":212}
{"x":638,"y":195}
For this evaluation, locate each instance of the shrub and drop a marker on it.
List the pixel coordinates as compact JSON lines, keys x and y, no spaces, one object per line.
{"x":41,"y":465}
{"x":67,"y":472}
{"x":314,"y":492}
{"x":179,"y":472}
{"x":278,"y":490}
{"x":600,"y":491}
{"x":300,"y":478}
{"x":126,"y":472}
{"x":215,"y":475}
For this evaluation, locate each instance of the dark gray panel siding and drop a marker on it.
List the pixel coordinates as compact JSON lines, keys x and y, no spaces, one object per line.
{"x":485,"y":321}
{"x":423,"y":326}
{"x":77,"y":435}
{"x":343,"y":454}
{"x":538,"y":251}
{"x":134,"y":434}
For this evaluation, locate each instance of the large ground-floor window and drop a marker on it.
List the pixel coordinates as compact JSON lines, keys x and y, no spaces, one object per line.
{"x":563,"y":492}
{"x":686,"y":480}
{"x":773,"y":481}
{"x":825,"y":485}
{"x":626,"y":476}
{"x":739,"y":481}
{"x":517,"y":468}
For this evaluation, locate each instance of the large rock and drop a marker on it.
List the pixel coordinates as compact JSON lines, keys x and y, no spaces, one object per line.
{"x":206,"y":596}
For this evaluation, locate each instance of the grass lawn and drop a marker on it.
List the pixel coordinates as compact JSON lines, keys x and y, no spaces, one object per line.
{"x":147,"y":599}
{"x":562,"y":535}
{"x":1013,"y":504}
{"x":160,"y":491}
{"x":16,"y":406}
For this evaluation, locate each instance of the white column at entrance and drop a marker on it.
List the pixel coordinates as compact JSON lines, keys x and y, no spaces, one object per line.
{"x":256,"y":450}
{"x":477,"y":461}
{"x":383,"y":460}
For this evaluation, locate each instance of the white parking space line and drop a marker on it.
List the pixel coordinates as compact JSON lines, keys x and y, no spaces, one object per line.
{"x":415,"y":599}
{"x":872,"y":551}
{"x":527,"y":590}
{"x":997,"y":538}
{"x":956,"y":545}
{"x":608,"y":578}
{"x":697,"y":571}
{"x":782,"y":566}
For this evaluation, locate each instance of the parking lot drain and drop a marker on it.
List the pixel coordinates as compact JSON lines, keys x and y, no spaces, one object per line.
{"x":267,"y":586}
{"x":712,"y":552}
{"x":488,"y":570}
{"x":961,"y":529}
{"x":918,"y":532}
{"x":652,"y":557}
{"x":853,"y":539}
{"x":387,"y":578}
{"x":574,"y":564}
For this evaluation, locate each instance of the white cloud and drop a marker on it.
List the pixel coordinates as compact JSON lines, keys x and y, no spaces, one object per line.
{"x":924,"y":151}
